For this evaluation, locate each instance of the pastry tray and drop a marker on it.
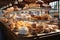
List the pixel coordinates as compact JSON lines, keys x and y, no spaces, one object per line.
{"x":43,"y":35}
{"x":39,"y":36}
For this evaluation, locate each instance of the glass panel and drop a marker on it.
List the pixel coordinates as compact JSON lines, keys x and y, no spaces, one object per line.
{"x":54,"y":9}
{"x":59,"y":9}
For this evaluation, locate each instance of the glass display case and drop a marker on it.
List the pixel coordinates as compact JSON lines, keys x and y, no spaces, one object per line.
{"x":30,"y":23}
{"x":30,"y":20}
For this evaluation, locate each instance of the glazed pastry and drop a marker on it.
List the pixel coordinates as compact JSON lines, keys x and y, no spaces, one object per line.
{"x":20,"y":23}
{"x":27,"y":24}
{"x":4,"y":19}
{"x":53,"y":27}
{"x":6,"y":15}
{"x":26,"y":6}
{"x":40,"y":29}
{"x":16,"y":8}
{"x":45,"y":27}
{"x":28,"y":16}
{"x":47,"y":30}
{"x":11,"y":9}
{"x":33,"y":5}
{"x":38,"y":17}
{"x":14,"y":16}
{"x":46,"y":17}
{"x":12,"y":26}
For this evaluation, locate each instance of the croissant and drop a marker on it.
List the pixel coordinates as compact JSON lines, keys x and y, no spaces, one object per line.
{"x":20,"y":23}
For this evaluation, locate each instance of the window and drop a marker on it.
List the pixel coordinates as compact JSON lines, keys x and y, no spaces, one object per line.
{"x":54,"y":8}
{"x":59,"y":9}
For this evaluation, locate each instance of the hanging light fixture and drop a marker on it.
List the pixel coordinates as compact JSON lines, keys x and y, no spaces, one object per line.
{"x":20,"y":0}
{"x":10,"y":4}
{"x":40,"y":0}
{"x":16,"y":2}
{"x":7,"y":6}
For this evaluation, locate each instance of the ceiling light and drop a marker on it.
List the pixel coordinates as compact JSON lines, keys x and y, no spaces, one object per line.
{"x":20,"y":0}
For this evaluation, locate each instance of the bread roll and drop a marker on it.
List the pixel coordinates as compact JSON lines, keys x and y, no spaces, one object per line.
{"x":12,"y":26}
{"x":24,"y":30}
{"x":4,"y":19}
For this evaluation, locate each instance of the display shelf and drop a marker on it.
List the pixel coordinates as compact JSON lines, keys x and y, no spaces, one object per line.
{"x":12,"y":35}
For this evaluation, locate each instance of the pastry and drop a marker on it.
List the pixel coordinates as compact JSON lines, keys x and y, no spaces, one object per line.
{"x":46,"y":17}
{"x":24,"y":30}
{"x":20,"y":23}
{"x":27,"y":24}
{"x":26,"y":6}
{"x":4,"y":20}
{"x":16,"y":8}
{"x":47,"y":30}
{"x":40,"y":29}
{"x":12,"y":26}
{"x":53,"y":27}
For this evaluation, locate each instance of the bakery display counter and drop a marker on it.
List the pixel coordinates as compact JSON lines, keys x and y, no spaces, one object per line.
{"x":11,"y":35}
{"x":29,"y":20}
{"x":30,"y":23}
{"x":21,"y":26}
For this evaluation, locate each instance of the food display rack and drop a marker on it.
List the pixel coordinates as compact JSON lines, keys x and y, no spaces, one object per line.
{"x":12,"y":36}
